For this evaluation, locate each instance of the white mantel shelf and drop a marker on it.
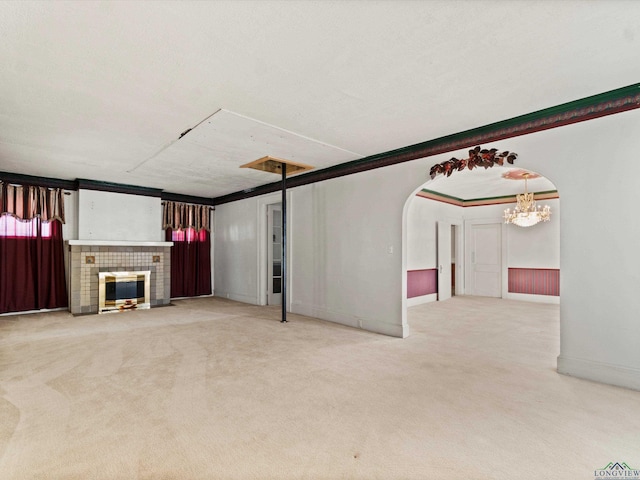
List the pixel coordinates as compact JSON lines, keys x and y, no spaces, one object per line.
{"x":118,"y":243}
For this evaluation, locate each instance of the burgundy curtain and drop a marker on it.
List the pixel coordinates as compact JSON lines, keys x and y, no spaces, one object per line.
{"x":31,"y":265}
{"x":190,"y":262}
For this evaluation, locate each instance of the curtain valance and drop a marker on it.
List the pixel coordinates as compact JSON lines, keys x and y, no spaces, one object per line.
{"x":27,"y":202}
{"x":179,"y":216}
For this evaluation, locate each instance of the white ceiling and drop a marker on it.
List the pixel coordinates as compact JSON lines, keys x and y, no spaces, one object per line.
{"x":103,"y":90}
{"x":485,"y":183}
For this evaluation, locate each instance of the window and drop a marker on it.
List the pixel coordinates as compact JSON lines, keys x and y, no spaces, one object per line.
{"x":188,"y":235}
{"x":12,"y":227}
{"x":31,"y":248}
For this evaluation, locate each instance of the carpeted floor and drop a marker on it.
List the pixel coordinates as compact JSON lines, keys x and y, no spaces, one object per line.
{"x":213,"y":389}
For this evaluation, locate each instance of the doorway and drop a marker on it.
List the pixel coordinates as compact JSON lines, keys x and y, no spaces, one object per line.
{"x":454,"y":255}
{"x":449,"y":240}
{"x":274,"y":254}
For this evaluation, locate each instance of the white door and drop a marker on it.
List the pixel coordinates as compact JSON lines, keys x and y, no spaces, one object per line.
{"x":485,"y":249}
{"x":444,"y":260}
{"x":274,"y":254}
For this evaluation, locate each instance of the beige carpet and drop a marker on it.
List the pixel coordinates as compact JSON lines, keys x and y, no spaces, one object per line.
{"x":213,"y":389}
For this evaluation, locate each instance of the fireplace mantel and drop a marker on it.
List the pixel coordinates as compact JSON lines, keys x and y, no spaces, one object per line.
{"x":118,"y":243}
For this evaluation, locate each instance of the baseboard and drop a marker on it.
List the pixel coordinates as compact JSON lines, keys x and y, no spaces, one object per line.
{"x":412,"y":302}
{"x":29,"y":312}
{"x":527,"y":297}
{"x":238,"y":297}
{"x":392,"y":330}
{"x":600,"y":372}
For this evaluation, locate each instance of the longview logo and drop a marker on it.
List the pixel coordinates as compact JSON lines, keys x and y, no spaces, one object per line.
{"x":617,"y":470}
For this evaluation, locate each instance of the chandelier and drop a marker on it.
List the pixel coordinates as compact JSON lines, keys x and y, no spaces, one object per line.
{"x":526,"y":212}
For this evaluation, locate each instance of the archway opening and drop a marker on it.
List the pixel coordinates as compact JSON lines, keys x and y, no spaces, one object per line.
{"x":456,"y":243}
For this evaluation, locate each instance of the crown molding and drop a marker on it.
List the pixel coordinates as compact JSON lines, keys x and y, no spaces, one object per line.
{"x":86,"y":184}
{"x":481,"y":202}
{"x":178,"y":197}
{"x":20,"y":179}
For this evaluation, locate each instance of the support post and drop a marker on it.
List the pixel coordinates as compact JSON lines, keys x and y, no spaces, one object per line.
{"x":283,"y":167}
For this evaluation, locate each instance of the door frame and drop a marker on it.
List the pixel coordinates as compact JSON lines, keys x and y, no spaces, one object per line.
{"x":271,"y":210}
{"x":459,"y":246}
{"x":460,"y":256}
{"x":263,"y":237}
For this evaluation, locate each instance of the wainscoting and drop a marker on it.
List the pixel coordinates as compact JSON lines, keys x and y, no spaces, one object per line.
{"x":422,"y":286}
{"x":534,"y":281}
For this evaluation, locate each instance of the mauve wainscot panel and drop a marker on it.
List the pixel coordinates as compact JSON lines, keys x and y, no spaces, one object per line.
{"x":535,"y":281}
{"x":422,"y":282}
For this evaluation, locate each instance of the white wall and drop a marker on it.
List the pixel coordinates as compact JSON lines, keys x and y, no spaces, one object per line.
{"x":343,"y":230}
{"x":340,"y":259}
{"x":70,"y":227}
{"x":118,"y":216}
{"x":537,"y":246}
{"x":236,"y":251}
{"x":593,"y":165}
{"x":422,"y":217}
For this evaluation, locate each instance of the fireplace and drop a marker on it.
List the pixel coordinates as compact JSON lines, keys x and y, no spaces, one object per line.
{"x":89,"y":258}
{"x":122,"y":291}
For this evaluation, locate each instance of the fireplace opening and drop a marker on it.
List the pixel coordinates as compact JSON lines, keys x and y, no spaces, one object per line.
{"x":122,"y":291}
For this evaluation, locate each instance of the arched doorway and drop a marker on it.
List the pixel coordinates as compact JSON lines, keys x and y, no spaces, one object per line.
{"x":456,"y":241}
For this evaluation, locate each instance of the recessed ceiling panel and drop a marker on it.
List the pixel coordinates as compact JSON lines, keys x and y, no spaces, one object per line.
{"x":206,"y":161}
{"x":480,"y":183}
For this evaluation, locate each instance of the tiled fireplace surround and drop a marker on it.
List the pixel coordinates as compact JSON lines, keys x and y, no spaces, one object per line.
{"x":88,"y":258}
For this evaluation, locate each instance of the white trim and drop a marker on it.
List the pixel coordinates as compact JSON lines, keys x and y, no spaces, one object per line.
{"x":261,"y":293}
{"x":320,"y":313}
{"x":600,"y":372}
{"x":29,"y":312}
{"x":527,"y":297}
{"x":412,"y":302}
{"x":460,"y":256}
{"x":236,"y":297}
{"x":118,"y":243}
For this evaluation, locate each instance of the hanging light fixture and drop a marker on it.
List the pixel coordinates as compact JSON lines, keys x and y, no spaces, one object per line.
{"x":526,"y":212}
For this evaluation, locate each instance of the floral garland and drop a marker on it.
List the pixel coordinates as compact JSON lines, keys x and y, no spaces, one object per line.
{"x":478,"y":157}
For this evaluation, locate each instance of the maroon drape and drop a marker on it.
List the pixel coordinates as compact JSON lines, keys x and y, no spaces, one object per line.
{"x":190,"y":262}
{"x":32,"y":271}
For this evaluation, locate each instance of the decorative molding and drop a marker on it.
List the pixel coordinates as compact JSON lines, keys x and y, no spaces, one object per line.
{"x":588,"y":108}
{"x":479,"y":202}
{"x":440,"y":197}
{"x":118,"y":188}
